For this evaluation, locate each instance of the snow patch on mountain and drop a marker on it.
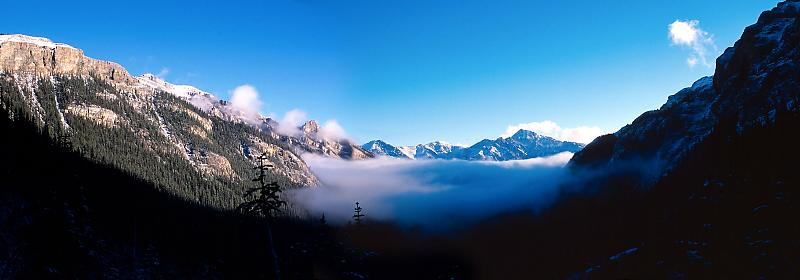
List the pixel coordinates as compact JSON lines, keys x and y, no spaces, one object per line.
{"x":380,"y":148}
{"x":39,"y":41}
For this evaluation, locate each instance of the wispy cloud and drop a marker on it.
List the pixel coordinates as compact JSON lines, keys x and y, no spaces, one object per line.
{"x":581,"y":134}
{"x":246,"y":100}
{"x":163,"y":72}
{"x":332,"y":130}
{"x":289,"y":123}
{"x":688,"y":34}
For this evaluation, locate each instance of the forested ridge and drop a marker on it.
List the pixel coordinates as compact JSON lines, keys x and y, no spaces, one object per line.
{"x":133,"y":143}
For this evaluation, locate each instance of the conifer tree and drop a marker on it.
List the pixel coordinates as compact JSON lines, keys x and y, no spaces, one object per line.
{"x":357,"y":216}
{"x":267,"y":204}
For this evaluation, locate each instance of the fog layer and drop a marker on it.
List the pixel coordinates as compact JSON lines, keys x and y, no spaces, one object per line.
{"x":434,"y":194}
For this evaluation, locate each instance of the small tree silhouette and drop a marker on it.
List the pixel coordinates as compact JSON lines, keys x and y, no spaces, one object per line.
{"x":267,"y":204}
{"x":357,"y":216}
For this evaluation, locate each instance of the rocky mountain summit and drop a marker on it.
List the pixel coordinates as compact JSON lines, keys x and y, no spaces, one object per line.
{"x":523,"y":144}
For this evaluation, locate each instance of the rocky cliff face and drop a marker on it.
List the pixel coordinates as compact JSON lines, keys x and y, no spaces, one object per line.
{"x":755,"y":80}
{"x":39,"y":56}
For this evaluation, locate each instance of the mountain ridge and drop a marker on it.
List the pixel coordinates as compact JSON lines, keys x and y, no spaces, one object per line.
{"x":37,"y":56}
{"x":523,"y":144}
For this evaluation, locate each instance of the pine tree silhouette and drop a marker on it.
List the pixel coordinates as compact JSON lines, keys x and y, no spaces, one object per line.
{"x":357,"y":216}
{"x":267,"y":204}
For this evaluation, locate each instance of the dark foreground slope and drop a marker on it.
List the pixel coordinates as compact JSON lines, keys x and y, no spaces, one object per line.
{"x":63,"y":216}
{"x":706,"y":187}
{"x":718,"y":194}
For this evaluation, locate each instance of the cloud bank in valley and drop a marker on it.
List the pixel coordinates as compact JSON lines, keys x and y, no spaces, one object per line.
{"x":435,"y":194}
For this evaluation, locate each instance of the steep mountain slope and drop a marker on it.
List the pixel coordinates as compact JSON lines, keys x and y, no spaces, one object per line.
{"x":135,"y":125}
{"x":754,"y":81}
{"x":522,"y":145}
{"x":64,"y":216}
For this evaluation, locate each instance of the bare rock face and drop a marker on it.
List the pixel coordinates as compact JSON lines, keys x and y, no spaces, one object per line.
{"x":40,"y":56}
{"x":310,"y":128}
{"x":96,"y":114}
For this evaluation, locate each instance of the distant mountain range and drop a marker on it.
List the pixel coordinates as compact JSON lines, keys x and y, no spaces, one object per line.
{"x":523,"y":144}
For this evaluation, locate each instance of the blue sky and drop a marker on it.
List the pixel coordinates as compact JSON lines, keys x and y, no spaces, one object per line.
{"x":408,"y":71}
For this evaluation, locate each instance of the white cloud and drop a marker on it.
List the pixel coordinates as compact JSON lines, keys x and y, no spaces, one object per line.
{"x":163,"y":73}
{"x":581,"y":134}
{"x":288,"y":125}
{"x":333,"y":130}
{"x":245,"y":98}
{"x":689,"y":34}
{"x":293,"y":119}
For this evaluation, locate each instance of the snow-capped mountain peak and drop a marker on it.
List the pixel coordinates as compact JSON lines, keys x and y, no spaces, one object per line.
{"x":523,"y":144}
{"x":380,"y":148}
{"x":526,"y":134}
